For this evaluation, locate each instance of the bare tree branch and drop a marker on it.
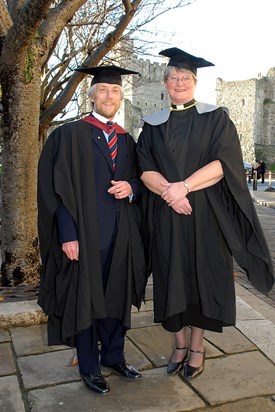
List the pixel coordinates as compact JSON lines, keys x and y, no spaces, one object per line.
{"x":56,"y":20}
{"x":21,"y":34}
{"x":108,"y":43}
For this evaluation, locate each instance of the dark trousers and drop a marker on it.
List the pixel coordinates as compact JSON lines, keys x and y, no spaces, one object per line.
{"x":107,"y":333}
{"x":110,"y":333}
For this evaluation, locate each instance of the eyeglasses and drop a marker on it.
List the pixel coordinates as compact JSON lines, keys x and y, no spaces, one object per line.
{"x":176,"y":79}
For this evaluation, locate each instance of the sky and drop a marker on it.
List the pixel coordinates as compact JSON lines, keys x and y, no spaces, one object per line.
{"x":238,"y":36}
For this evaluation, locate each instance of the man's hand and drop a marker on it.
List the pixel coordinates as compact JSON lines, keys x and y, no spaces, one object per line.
{"x":120,"y":189}
{"x":71,"y":249}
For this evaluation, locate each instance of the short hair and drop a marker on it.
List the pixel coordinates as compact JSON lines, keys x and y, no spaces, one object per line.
{"x":178,"y":69}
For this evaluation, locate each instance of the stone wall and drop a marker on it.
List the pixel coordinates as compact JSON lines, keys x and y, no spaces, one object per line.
{"x":251,"y":105}
{"x":240,"y":100}
{"x":143,"y":95}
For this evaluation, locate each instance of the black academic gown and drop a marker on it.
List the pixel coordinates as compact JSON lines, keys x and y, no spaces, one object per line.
{"x":71,"y":292}
{"x":191,"y":256}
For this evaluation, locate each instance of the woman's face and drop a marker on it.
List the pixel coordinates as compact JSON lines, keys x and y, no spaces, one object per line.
{"x":180,"y":86}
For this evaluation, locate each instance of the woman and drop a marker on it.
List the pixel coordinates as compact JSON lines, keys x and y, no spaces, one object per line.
{"x":199,"y":213}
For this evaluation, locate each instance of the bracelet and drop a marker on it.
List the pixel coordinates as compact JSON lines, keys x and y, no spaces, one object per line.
{"x":187,"y":187}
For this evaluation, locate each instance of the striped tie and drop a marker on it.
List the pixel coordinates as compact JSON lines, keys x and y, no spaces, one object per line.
{"x":112,"y":142}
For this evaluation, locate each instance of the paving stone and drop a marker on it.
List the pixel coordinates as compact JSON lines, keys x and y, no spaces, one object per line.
{"x":259,"y":305}
{"x":149,"y":292}
{"x":245,"y":311}
{"x":6,"y":360}
{"x":154,"y":341}
{"x":157,"y":344}
{"x":230,"y":341}
{"x":235,"y":377}
{"x":150,"y":280}
{"x":4,"y":336}
{"x":249,"y":405}
{"x":147,"y":306}
{"x":141,"y":319}
{"x":135,"y":357}
{"x":261,"y":333}
{"x":11,"y":398}
{"x":32,"y":340}
{"x":48,"y":368}
{"x":211,"y":351}
{"x":154,"y":392}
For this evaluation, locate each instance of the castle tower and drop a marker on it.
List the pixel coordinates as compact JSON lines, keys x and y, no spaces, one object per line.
{"x":251,"y":105}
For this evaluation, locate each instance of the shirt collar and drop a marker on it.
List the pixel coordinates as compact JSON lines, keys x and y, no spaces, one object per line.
{"x":99,"y":117}
{"x":183,"y":106}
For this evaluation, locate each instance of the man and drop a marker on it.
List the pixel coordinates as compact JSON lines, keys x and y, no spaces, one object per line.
{"x":92,"y":259}
{"x":262,"y":170}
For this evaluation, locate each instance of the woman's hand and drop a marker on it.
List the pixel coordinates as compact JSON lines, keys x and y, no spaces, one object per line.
{"x":120,"y":189}
{"x":173,"y":192}
{"x":175,"y":196}
{"x":182,"y":207}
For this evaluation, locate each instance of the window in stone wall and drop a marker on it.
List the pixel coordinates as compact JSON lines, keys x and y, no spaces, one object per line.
{"x":146,"y":103}
{"x":138,"y":102}
{"x":162,"y":96}
{"x":131,"y":113}
{"x":243,"y":102}
{"x":240,"y":136}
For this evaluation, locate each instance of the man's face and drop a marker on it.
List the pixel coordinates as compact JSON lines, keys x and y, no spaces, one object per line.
{"x":180,"y":86}
{"x":107,"y":99}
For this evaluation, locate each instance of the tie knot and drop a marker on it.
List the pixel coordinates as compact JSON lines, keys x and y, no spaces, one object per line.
{"x":110,"y":123}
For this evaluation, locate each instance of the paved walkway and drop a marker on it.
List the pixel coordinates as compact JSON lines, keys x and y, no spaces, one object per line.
{"x":265,"y":207}
{"x":239,"y":370}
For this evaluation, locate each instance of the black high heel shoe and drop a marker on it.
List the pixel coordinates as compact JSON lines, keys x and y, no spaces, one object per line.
{"x":191,"y":372}
{"x":175,"y":367}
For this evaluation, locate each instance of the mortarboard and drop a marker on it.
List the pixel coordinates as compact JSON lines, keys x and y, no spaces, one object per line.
{"x":181,"y":59}
{"x":106,"y":74}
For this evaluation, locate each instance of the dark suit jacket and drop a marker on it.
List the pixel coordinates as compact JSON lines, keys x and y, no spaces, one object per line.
{"x":107,"y":205}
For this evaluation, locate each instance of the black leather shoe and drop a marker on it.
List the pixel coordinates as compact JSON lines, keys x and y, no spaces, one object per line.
{"x":173,"y":368}
{"x":125,"y":371}
{"x":95,"y":382}
{"x":191,"y":372}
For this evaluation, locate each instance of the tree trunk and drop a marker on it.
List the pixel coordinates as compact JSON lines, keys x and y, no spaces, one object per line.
{"x":20,"y":252}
